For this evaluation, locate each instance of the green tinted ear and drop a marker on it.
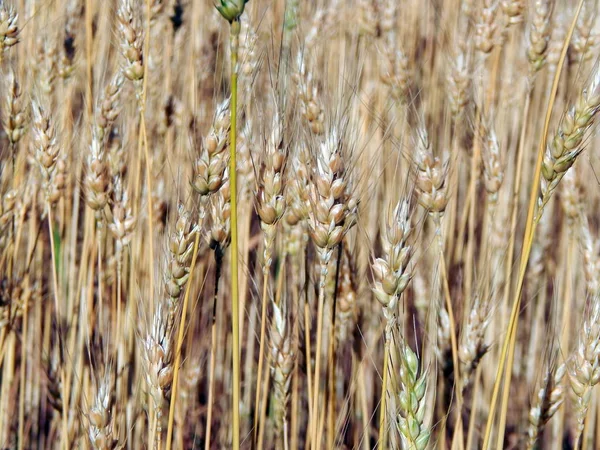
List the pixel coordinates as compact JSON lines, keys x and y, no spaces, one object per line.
{"x":231,"y":9}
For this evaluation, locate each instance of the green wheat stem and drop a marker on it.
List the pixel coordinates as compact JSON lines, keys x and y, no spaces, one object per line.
{"x":235,"y":319}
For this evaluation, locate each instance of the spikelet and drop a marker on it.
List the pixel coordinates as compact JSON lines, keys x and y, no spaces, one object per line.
{"x":567,"y":144}
{"x":570,"y":199}
{"x":68,"y":49}
{"x":346,"y":308}
{"x":539,"y":36}
{"x":220,"y":232}
{"x":270,"y":201}
{"x":231,"y":10}
{"x":333,"y":209}
{"x":391,"y":273}
{"x":282,"y":365}
{"x":9,"y":29}
{"x":583,"y":40}
{"x":548,"y":400}
{"x":48,"y":64}
{"x":210,"y":166}
{"x":485,"y":27}
{"x":158,"y":346}
{"x":180,"y":250}
{"x":97,"y":183}
{"x":395,"y":72}
{"x":459,"y":83}
{"x":100,"y":416}
{"x":411,"y":400}
{"x":591,"y":259}
{"x":472,"y":347}
{"x":492,"y":164}
{"x":297,"y":192}
{"x":311,"y":107}
{"x":131,"y":43}
{"x":123,"y":221}
{"x":46,"y":153}
{"x":513,"y":10}
{"x":7,"y":209}
{"x":584,"y":367}
{"x":15,"y":113}
{"x":431,"y":176}
{"x":109,"y":107}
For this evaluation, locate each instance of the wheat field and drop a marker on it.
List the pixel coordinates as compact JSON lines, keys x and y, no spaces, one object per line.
{"x":285,"y":224}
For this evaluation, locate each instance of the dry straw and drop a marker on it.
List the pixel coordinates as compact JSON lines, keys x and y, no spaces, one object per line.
{"x":122,"y":128}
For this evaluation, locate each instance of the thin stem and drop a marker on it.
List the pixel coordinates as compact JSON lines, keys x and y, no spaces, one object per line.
{"x":383,"y":403}
{"x":213,"y":345}
{"x":263,"y":329}
{"x":315,"y":400}
{"x":285,"y":433}
{"x":308,"y":350}
{"x":119,"y":300}
{"x":155,"y":429}
{"x":568,"y":295}
{"x":264,"y":402}
{"x":472,"y":210}
{"x":362,"y":391}
{"x":296,"y":346}
{"x":65,"y":426}
{"x":452,"y":325}
{"x":235,"y":319}
{"x":331,"y":392}
{"x":24,"y":347}
{"x":515,"y":202}
{"x":331,"y":360}
{"x":100,"y":275}
{"x":473,"y":413}
{"x":150,"y":208}
{"x":211,"y":382}
{"x":308,"y":360}
{"x":589,"y":419}
{"x":89,"y":36}
{"x":53,"y":255}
